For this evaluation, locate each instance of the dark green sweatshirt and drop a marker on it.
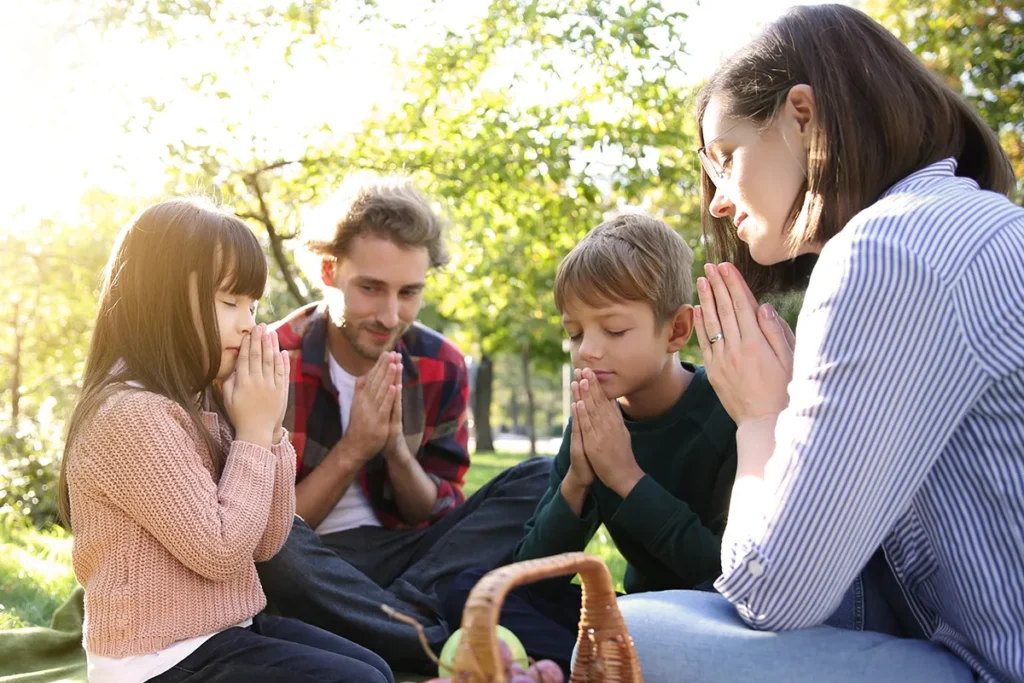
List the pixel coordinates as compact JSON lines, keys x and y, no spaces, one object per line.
{"x":669,"y":528}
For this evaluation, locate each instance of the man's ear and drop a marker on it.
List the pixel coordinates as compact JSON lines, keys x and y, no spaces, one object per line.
{"x":681,"y":327}
{"x":327,"y":272}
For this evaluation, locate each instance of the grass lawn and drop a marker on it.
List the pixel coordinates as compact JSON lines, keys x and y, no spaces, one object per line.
{"x":35,"y":566}
{"x":35,"y":573}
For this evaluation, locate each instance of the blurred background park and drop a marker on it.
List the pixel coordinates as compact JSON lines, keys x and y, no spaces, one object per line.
{"x":526,"y":121}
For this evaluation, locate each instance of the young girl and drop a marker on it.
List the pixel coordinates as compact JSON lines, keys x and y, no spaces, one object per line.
{"x":898,"y":419}
{"x":177,"y":475}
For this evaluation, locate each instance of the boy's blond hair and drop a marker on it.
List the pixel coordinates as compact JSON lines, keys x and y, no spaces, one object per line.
{"x":631,"y":257}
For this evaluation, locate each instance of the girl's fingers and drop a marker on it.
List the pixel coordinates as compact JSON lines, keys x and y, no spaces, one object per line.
{"x":268,"y":355}
{"x":227,"y":390}
{"x":256,"y":351}
{"x":576,"y":389}
{"x":244,"y":351}
{"x":281,"y":368}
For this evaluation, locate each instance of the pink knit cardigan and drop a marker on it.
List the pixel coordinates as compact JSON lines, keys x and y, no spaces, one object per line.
{"x":164,"y":547}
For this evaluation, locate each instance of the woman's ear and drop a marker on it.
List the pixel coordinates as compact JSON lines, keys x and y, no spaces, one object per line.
{"x":681,"y":327}
{"x":800,"y":109}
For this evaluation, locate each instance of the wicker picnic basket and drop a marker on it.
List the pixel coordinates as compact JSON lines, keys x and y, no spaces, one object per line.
{"x":604,"y":650}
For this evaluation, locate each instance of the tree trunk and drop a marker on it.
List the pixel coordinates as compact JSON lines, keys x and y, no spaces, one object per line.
{"x":529,"y":400}
{"x":276,"y":238}
{"x":482,"y":405}
{"x":16,"y":375}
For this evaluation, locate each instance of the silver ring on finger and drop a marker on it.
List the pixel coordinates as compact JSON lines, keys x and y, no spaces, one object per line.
{"x":717,"y":337}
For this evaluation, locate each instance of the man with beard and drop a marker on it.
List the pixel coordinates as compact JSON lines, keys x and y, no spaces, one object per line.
{"x":377,"y":415}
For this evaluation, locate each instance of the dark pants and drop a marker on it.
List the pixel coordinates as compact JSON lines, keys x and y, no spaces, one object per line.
{"x":275,"y":649}
{"x":545,"y":616}
{"x":339,"y":581}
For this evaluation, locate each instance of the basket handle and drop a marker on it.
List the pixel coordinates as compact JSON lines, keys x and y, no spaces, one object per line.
{"x":604,"y":650}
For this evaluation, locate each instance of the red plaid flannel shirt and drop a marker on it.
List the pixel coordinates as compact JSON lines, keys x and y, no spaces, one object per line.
{"x":435,"y":395}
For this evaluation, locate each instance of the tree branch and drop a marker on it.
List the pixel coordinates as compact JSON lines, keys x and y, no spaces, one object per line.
{"x":276,"y":247}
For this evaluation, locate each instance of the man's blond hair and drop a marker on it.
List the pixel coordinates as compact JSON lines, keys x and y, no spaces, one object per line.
{"x":388,"y":207}
{"x":631,"y":257}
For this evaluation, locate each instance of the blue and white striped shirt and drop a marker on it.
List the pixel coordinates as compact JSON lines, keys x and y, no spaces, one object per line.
{"x":905,"y":427}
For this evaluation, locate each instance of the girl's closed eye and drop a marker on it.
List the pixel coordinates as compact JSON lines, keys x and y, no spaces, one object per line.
{"x":617,"y":333}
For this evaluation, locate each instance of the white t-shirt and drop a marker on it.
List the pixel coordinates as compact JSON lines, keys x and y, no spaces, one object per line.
{"x":141,"y":668}
{"x":353,"y":509}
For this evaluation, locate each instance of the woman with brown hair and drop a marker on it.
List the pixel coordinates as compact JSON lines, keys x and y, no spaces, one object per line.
{"x":894,"y":430}
{"x":177,"y":475}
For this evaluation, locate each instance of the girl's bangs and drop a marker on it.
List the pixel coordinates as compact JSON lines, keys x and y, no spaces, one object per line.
{"x":242,"y":265}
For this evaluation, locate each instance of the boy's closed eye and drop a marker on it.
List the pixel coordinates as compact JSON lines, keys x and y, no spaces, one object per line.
{"x":611,"y":333}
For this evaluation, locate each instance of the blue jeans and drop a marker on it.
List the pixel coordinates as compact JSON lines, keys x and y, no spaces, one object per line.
{"x":275,"y":649}
{"x":695,"y":636}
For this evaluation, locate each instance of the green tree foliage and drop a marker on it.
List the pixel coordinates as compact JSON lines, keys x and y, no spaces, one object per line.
{"x":51,"y":279}
{"x":978,"y":48}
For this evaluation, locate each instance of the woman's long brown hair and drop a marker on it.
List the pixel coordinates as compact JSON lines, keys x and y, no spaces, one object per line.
{"x":146,"y":329}
{"x":880,"y":115}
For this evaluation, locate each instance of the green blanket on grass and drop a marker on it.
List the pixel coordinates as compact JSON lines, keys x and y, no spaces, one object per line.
{"x":55,"y":654}
{"x":46,"y":655}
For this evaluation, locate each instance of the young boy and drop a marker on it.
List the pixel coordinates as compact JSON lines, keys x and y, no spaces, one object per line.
{"x":655,"y":467}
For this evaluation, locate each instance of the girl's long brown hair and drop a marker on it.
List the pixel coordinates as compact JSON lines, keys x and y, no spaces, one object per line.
{"x":146,"y":330}
{"x":879,"y":116}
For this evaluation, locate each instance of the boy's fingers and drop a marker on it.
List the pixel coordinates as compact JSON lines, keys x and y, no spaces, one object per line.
{"x":576,"y":440}
{"x":595,"y":387}
{"x":586,"y":425}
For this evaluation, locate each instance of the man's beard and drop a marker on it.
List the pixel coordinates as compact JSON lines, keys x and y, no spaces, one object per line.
{"x":351,"y":333}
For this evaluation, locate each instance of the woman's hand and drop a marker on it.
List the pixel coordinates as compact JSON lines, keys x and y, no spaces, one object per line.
{"x":256,"y":394}
{"x":747,"y":350}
